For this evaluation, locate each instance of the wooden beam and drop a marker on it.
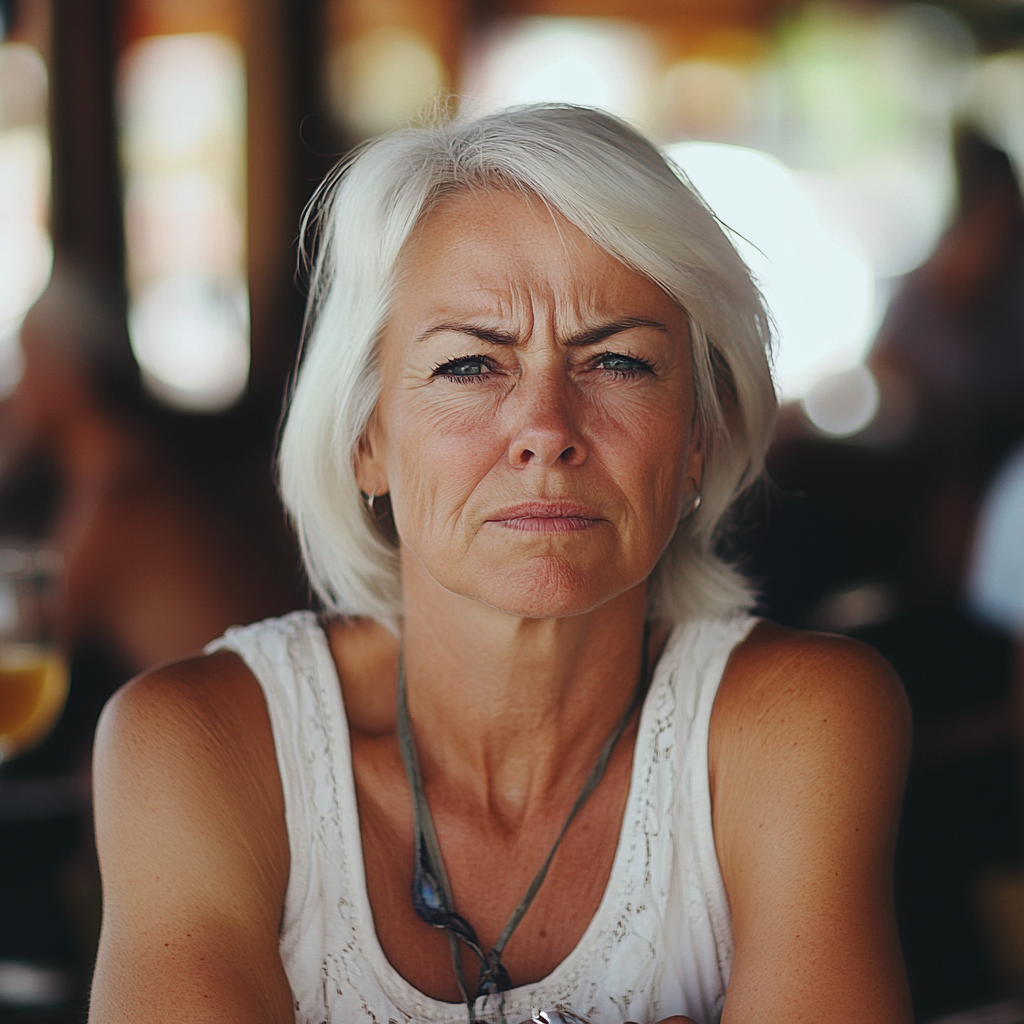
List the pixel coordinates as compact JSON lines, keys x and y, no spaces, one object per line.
{"x":86,"y":220}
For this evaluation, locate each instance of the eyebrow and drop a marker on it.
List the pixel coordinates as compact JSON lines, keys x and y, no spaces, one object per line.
{"x":592,"y":336}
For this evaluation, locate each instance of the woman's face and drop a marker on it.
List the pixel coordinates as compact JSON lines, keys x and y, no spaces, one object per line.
{"x":535,"y":424}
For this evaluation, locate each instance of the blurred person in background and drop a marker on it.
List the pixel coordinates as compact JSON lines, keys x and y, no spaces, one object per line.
{"x":954,"y":333}
{"x":536,"y":380}
{"x":872,"y":536}
{"x":953,"y":341}
{"x":155,"y":565}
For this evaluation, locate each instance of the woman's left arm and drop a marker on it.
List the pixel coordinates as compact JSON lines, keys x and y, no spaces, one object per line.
{"x":808,"y":752}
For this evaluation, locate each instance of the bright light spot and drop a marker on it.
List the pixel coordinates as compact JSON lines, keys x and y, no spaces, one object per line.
{"x":865,"y":96}
{"x":896,"y":205}
{"x":23,"y":87}
{"x":181,"y":222}
{"x":26,"y":252}
{"x":12,"y":361}
{"x":820,"y":292}
{"x":26,"y":255}
{"x":179,"y":92}
{"x":996,"y":101}
{"x":27,"y":984}
{"x":183,"y":140}
{"x":384,"y":77}
{"x":592,"y":62}
{"x":995,"y":578}
{"x":843,"y":403}
{"x":192,"y":342}
{"x":863,"y":604}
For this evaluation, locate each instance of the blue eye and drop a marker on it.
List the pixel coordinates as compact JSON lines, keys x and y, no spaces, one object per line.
{"x":469,"y":366}
{"x":622,"y":364}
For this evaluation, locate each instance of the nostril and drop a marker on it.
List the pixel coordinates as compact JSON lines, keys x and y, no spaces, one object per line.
{"x":536,"y":446}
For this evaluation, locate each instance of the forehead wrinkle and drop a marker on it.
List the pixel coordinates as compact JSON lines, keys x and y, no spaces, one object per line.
{"x":535,"y":287}
{"x":577,"y":318}
{"x":587,"y":303}
{"x":522,"y":304}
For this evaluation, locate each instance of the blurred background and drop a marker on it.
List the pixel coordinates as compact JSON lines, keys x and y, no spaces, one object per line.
{"x":867,"y":158}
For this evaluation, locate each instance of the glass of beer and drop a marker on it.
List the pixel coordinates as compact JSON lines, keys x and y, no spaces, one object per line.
{"x":33,"y":671}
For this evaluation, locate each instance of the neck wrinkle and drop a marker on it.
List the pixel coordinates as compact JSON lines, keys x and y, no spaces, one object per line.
{"x":509,"y":714}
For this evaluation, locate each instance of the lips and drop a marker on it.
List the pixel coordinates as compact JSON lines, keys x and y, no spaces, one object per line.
{"x":547,"y":517}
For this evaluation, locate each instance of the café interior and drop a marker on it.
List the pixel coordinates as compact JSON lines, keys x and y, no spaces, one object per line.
{"x":867,"y":160}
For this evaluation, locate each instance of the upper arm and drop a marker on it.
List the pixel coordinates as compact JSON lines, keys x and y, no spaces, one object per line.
{"x":193,"y":850}
{"x":809,"y":747}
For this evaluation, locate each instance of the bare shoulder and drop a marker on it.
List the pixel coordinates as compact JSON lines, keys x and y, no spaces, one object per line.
{"x":792,"y":686}
{"x":183,"y":690}
{"x":772,"y":653}
{"x":800,"y":713}
{"x":808,"y":751}
{"x":193,"y":848}
{"x":204,"y":712}
{"x":190,"y":741}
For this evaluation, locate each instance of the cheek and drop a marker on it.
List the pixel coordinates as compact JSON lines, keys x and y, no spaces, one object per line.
{"x":437,"y":453}
{"x":644,"y":448}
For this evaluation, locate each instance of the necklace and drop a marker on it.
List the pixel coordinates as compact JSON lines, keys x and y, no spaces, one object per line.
{"x":431,"y":891}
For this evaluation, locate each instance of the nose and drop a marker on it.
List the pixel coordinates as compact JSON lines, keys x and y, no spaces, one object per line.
{"x":547,"y":426}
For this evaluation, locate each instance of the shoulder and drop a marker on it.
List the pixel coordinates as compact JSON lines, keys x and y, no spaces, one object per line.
{"x":185,"y":703}
{"x":815,"y":723}
{"x":187,"y":750}
{"x":780,"y":681}
{"x":808,"y":753}
{"x":810,"y":733}
{"x":193,"y":849}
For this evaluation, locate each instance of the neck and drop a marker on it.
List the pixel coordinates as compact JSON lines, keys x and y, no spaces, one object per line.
{"x":508,"y":711}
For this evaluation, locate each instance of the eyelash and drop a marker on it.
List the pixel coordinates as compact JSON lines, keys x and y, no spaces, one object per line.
{"x":462,"y":378}
{"x":643,"y":367}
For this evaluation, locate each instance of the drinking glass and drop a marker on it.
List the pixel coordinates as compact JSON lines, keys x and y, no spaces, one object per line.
{"x":33,"y":670}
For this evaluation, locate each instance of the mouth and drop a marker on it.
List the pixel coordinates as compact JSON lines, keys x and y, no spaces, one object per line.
{"x":547,"y":517}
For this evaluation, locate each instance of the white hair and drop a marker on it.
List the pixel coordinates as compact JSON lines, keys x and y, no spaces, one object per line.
{"x":620,"y":191}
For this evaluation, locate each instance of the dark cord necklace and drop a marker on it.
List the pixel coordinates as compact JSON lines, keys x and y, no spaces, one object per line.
{"x":431,"y":891}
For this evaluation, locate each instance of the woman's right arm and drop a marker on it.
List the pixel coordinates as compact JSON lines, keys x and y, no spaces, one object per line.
{"x":193,"y":851}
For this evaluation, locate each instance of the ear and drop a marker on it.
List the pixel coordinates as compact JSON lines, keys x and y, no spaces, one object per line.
{"x":693,"y":470}
{"x":371,"y":475}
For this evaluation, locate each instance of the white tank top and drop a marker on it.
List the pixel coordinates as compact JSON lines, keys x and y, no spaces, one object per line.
{"x":660,"y":942}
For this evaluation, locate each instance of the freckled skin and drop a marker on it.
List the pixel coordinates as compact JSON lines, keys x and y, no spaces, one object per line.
{"x":606,"y":422}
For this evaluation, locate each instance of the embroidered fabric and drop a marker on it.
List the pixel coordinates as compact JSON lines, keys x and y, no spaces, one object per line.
{"x":660,"y":942}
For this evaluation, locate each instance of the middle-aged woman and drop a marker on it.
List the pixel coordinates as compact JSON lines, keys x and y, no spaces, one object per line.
{"x":536,"y":378}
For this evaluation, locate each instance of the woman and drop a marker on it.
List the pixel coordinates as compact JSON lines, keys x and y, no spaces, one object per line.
{"x":536,"y":379}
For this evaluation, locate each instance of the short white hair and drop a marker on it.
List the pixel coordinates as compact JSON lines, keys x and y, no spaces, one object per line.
{"x":625,"y":195}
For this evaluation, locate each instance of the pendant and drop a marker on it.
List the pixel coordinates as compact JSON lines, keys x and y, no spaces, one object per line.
{"x":560,"y":1016}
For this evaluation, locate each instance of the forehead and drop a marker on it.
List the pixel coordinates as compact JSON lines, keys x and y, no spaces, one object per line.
{"x":497,"y":242}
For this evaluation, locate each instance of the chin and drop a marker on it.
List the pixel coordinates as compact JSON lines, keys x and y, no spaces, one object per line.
{"x":547,"y":588}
